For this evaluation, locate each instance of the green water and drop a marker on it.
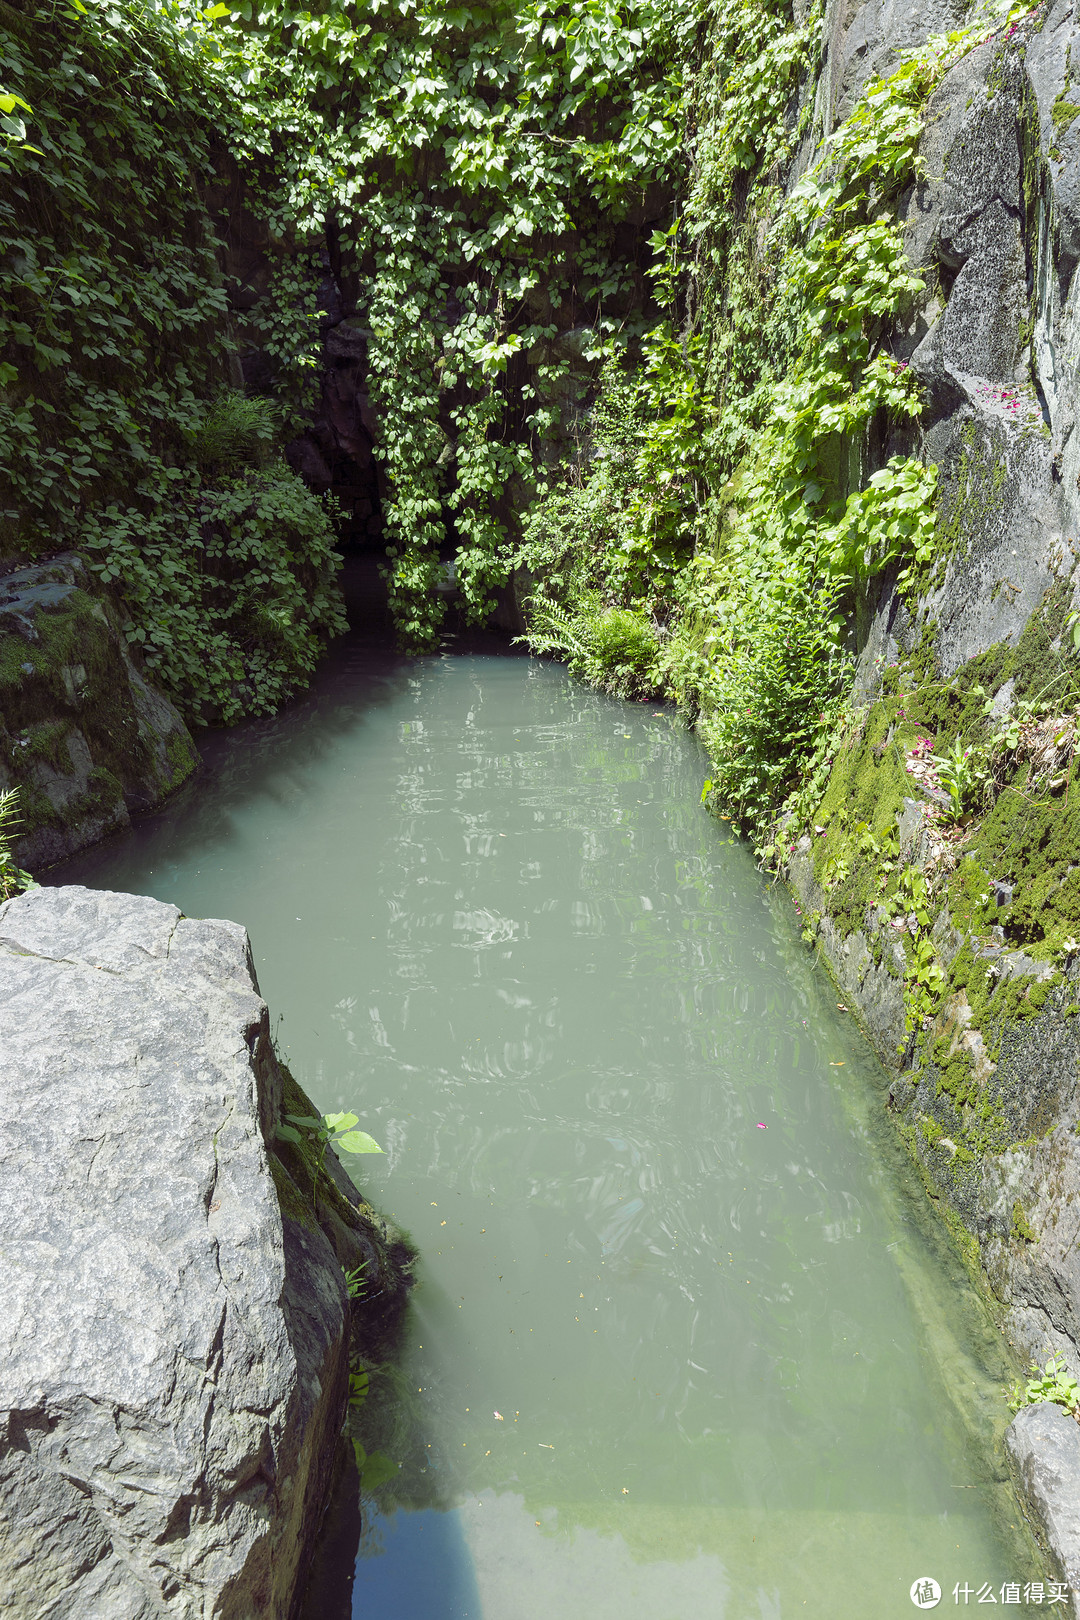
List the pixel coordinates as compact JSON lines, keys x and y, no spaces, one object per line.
{"x":664,"y":1363}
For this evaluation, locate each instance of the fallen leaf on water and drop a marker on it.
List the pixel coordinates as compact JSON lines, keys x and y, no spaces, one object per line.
{"x":840,"y":1007}
{"x":833,"y":1065}
{"x":545,"y":1445}
{"x":500,"y":1417}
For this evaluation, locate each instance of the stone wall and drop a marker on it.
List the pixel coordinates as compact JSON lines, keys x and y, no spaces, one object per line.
{"x":986,"y":1063}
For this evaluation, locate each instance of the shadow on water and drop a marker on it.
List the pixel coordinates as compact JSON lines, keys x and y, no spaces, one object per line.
{"x":421,"y":1567}
{"x":269,"y":758}
{"x":263,"y":760}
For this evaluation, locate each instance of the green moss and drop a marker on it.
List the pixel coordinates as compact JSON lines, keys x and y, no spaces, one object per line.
{"x":966,"y":1244}
{"x":972,"y":906}
{"x":1063,"y":113}
{"x":35,"y":809}
{"x":865,"y":793}
{"x":72,"y":675}
{"x":103,"y":794}
{"x":1035,"y":844}
{"x":19,"y":659}
{"x":932,"y":1132}
{"x":1021,"y":1226}
{"x":1036,"y":186}
{"x":975,"y":494}
{"x":956,"y":1075}
{"x":293,"y":1203}
{"x":1037,"y":665}
{"x":183,"y":757}
{"x":1032,"y":841}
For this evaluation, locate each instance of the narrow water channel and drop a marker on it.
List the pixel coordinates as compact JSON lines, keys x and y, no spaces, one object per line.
{"x":685,"y":1345}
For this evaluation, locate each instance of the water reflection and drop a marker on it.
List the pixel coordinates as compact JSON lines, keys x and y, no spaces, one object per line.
{"x":417,"y":1566}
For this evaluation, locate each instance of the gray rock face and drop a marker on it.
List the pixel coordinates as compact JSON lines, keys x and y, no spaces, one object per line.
{"x":861,"y":41}
{"x":1044,"y":1445}
{"x":83,"y":736}
{"x":175,"y":1355}
{"x":993,"y":227}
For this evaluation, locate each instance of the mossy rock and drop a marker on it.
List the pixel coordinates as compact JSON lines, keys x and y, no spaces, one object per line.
{"x":83,"y":736}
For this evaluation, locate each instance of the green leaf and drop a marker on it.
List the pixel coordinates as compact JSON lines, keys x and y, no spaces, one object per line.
{"x":357,"y":1142}
{"x":286,"y":1133}
{"x":339,"y":1122}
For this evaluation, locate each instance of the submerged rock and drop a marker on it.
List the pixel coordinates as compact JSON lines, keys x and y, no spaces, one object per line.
{"x":175,"y":1325}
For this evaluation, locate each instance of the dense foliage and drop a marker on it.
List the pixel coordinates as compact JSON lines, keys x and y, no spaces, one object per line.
{"x":119,"y":432}
{"x":485,"y":170}
{"x":514,"y":197}
{"x":774,"y":468}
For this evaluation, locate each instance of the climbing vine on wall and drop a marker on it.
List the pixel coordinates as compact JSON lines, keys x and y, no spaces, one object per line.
{"x":490,"y":170}
{"x":512,"y":193}
{"x":790,"y":446}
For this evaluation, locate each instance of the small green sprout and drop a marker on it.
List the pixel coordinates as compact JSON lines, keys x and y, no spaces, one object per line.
{"x":327,"y":1129}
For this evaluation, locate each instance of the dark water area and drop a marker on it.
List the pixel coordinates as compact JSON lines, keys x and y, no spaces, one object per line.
{"x":686,"y":1343}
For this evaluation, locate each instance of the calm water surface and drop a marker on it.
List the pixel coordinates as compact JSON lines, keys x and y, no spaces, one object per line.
{"x":684,"y":1347}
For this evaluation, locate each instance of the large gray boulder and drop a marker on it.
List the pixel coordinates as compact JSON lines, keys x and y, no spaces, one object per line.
{"x":173,"y":1352}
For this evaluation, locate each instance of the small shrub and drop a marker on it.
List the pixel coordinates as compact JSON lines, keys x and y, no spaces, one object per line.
{"x":623,"y":642}
{"x":13,"y":880}
{"x":1053,"y":1382}
{"x":613,"y":648}
{"x":236,"y":432}
{"x":231,"y":591}
{"x":757,"y":659}
{"x":962,"y":777}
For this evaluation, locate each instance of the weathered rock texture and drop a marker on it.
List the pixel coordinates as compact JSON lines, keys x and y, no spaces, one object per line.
{"x":83,"y":736}
{"x":174,"y":1321}
{"x":986,"y":1074}
{"x":1044,"y":1445}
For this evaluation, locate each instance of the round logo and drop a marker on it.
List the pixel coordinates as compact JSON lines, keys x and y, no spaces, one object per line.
{"x":925,"y":1592}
